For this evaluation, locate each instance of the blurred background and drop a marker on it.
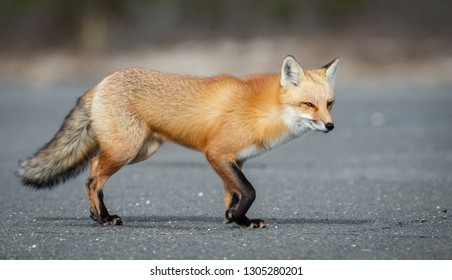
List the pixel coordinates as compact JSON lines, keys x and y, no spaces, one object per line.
{"x":378,"y":187}
{"x":52,"y":41}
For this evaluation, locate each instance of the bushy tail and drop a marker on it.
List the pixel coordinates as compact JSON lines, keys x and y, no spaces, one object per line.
{"x":67,"y":154}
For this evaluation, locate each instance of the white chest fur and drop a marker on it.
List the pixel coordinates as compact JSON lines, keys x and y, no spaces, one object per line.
{"x":297,"y":125}
{"x":255,"y":150}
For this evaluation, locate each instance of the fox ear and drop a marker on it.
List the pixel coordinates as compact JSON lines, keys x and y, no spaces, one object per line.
{"x":330,"y":71}
{"x":291,"y":72}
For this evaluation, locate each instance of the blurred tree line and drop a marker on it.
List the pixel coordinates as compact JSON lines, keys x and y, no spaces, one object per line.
{"x":95,"y":25}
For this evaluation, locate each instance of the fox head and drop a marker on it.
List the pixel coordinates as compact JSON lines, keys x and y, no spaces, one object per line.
{"x":307,"y":97}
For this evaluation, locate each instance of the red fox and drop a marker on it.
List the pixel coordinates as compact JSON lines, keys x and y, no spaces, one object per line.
{"x":127,"y":116}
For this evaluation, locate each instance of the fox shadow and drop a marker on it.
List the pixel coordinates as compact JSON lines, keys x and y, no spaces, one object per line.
{"x":151,"y":221}
{"x":299,"y":221}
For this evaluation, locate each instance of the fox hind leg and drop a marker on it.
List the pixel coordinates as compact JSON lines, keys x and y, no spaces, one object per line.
{"x":100,"y":171}
{"x":110,"y":159}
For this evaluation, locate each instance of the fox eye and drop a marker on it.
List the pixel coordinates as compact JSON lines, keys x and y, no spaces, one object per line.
{"x":330,"y":103}
{"x":309,"y":104}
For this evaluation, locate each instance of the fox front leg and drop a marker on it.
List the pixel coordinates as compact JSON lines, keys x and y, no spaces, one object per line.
{"x":239,"y":193}
{"x":245,"y":199}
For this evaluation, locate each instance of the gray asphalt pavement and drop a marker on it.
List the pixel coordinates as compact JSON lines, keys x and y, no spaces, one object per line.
{"x":378,"y":187}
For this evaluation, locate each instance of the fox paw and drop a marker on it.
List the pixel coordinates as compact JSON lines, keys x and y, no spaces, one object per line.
{"x":254,"y":223}
{"x":245,"y":222}
{"x":112,"y":220}
{"x":107,"y":219}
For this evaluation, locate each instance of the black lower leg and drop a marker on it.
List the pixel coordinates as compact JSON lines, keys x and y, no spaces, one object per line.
{"x":240,"y":203}
{"x":104,"y":217}
{"x":234,"y":201}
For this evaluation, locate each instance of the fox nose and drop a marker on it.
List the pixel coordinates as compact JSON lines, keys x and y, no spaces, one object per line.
{"x":329,"y":126}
